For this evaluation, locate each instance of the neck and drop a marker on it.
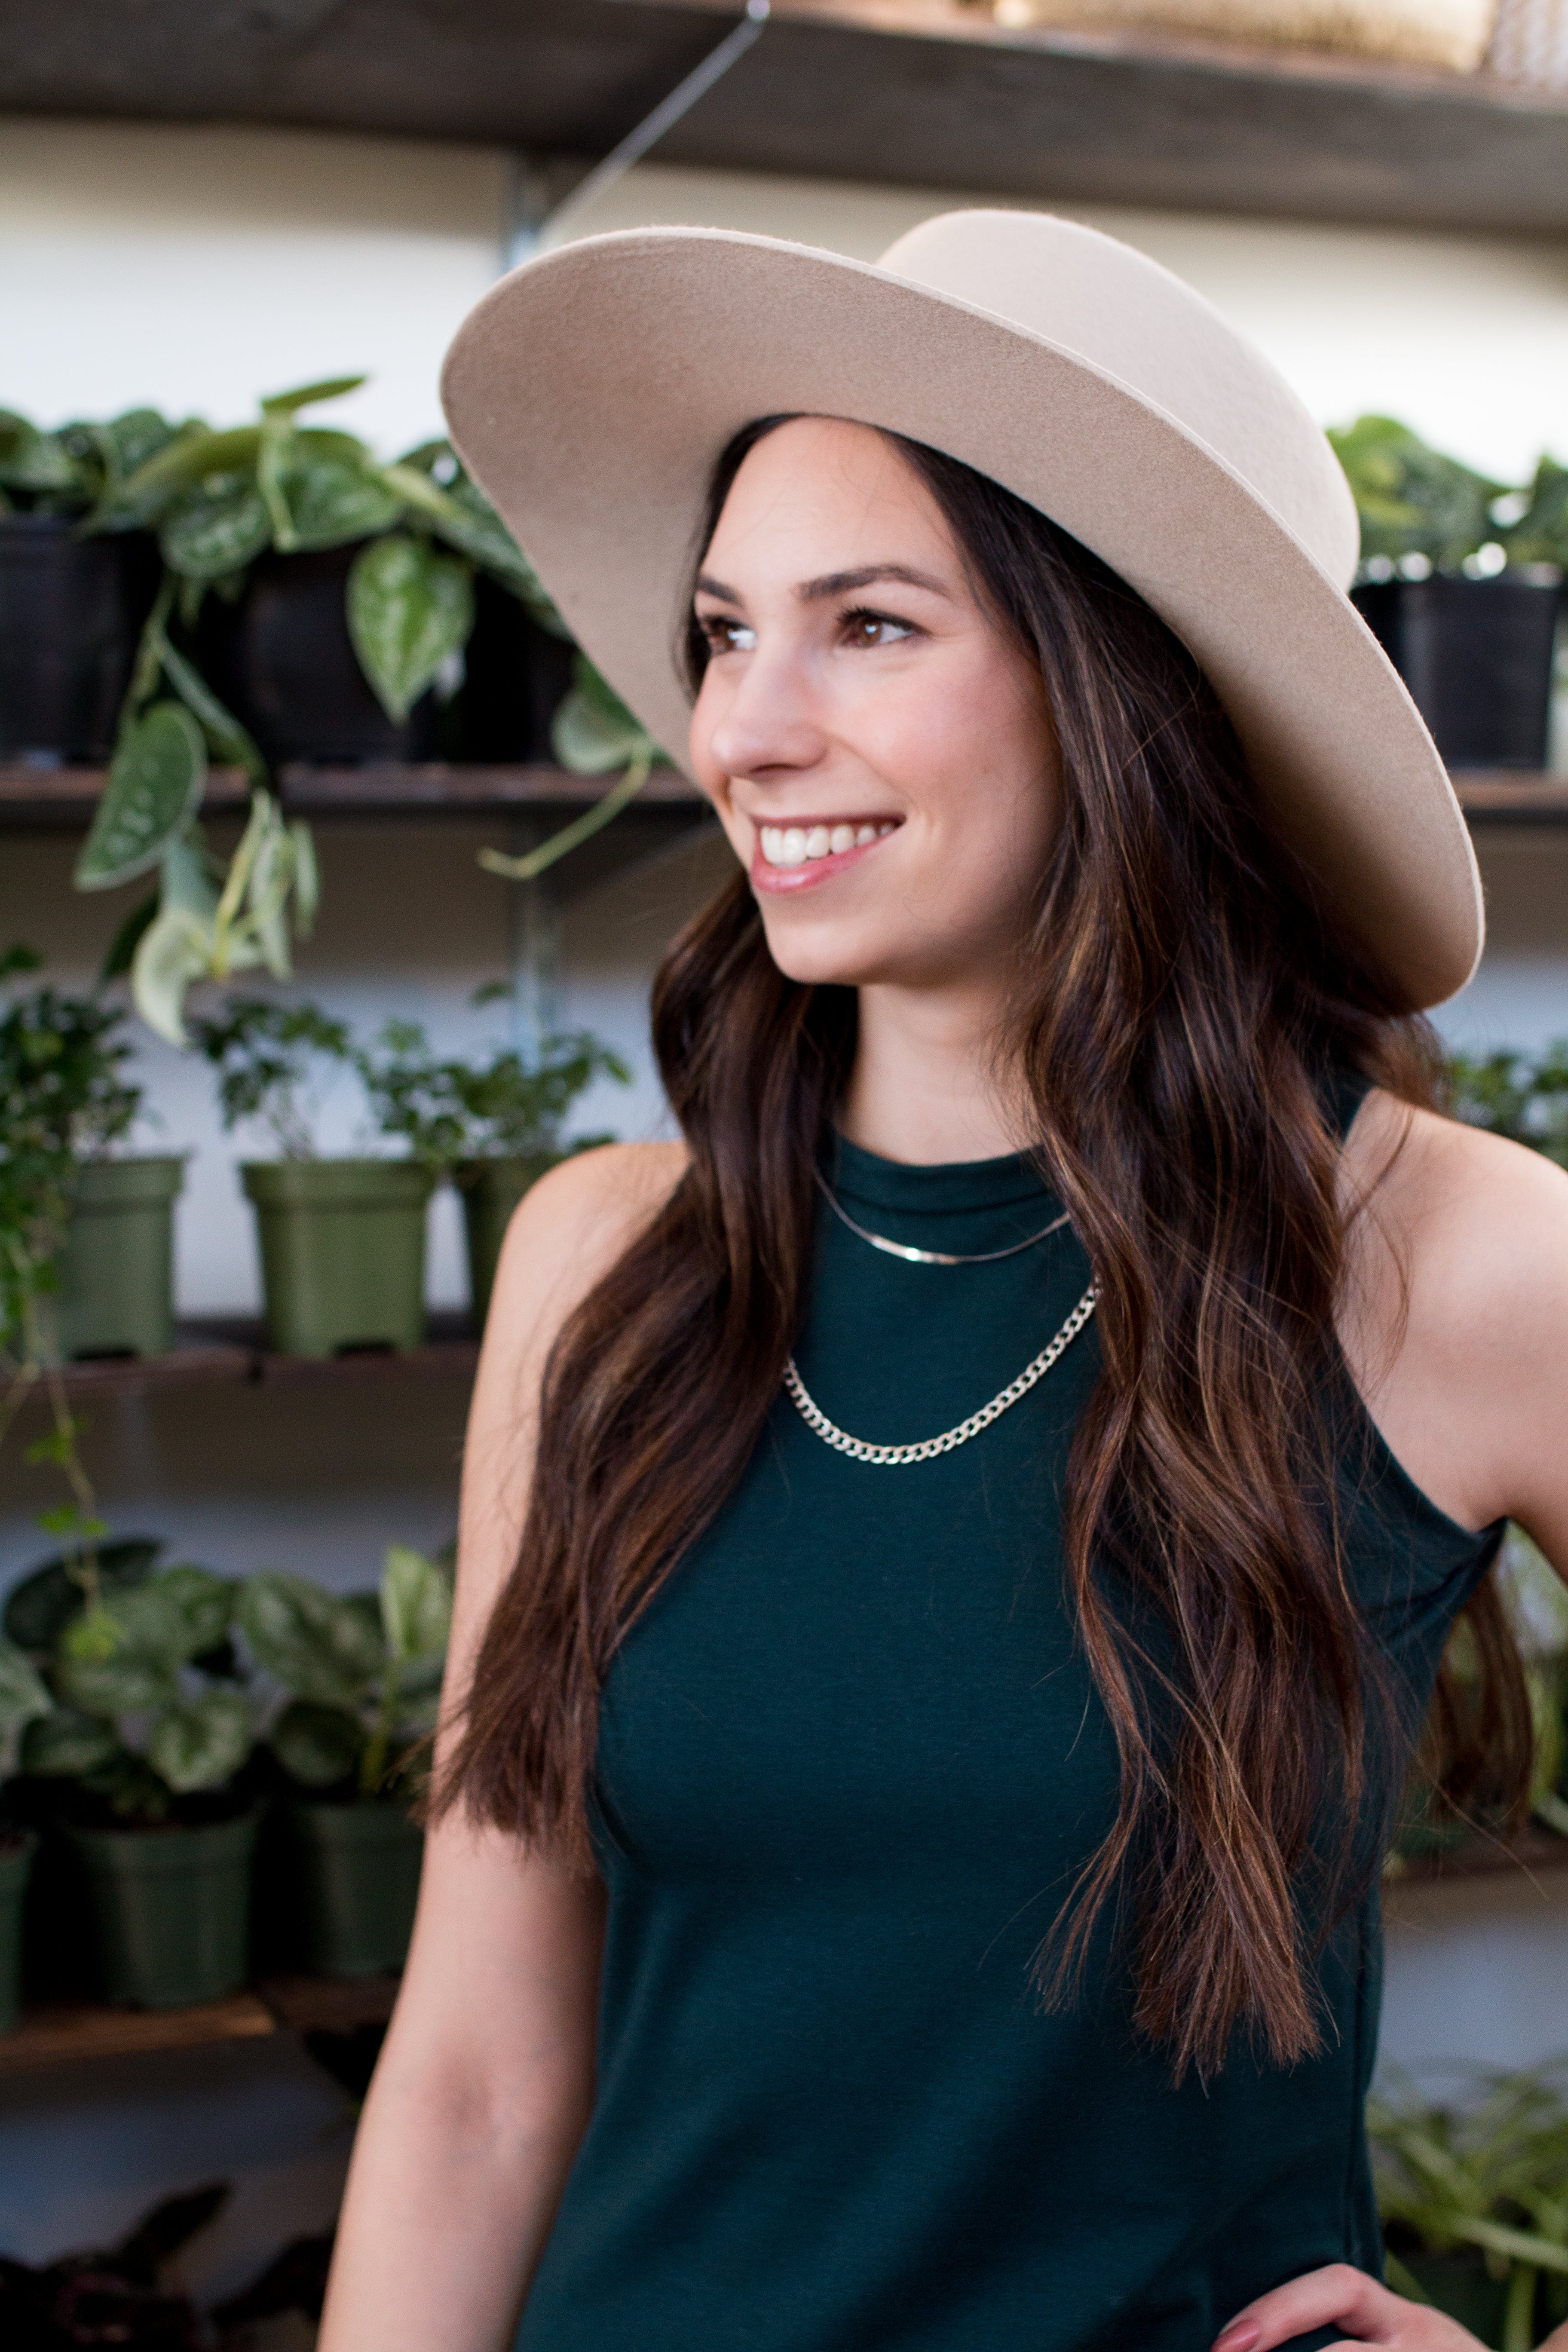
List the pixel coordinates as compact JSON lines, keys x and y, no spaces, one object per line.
{"x":924,"y":1088}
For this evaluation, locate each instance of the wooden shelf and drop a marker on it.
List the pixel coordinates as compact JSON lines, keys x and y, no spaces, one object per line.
{"x":920,"y":93}
{"x":56,"y":2034}
{"x":1534,"y":1850}
{"x":38,"y":799}
{"x":1500,"y":798}
{"x":234,"y":1354}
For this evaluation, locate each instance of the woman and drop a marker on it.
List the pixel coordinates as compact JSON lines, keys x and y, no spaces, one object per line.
{"x":956,"y":1549}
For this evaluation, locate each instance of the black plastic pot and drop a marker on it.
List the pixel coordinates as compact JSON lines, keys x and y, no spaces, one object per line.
{"x":17,"y":1848}
{"x":70,"y":611}
{"x":516,"y":675}
{"x":1477,"y":657}
{"x":358,"y":1877}
{"x":282,"y":658}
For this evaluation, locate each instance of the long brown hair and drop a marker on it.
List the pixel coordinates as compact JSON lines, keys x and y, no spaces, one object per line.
{"x":1181,"y":1002}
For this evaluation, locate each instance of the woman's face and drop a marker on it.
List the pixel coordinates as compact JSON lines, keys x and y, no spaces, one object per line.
{"x":877,"y":746}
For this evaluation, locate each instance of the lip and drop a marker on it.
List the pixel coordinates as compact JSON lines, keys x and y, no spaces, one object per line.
{"x":788,"y":881}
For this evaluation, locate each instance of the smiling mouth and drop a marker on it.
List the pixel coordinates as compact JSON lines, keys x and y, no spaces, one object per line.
{"x":785,"y":845}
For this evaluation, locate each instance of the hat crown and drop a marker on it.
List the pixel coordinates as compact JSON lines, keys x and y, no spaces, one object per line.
{"x":1132,"y":319}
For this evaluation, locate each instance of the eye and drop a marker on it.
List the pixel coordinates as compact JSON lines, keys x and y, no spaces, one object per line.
{"x":864,"y":628}
{"x":725,"y":635}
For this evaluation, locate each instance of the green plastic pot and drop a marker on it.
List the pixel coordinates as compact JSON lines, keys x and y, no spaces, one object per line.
{"x":17,"y":1850}
{"x":342,"y":1252}
{"x":170,"y":1910}
{"x":116,"y":1271}
{"x":490,"y":1190}
{"x":358,"y":1879}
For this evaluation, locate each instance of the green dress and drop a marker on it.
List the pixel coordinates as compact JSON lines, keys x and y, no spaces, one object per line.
{"x":849,"y":1762}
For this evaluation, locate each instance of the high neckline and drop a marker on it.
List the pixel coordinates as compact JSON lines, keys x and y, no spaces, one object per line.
{"x":951,"y":1187}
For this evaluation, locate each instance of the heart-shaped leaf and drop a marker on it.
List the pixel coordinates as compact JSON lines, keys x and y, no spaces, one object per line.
{"x":125,"y":1655}
{"x":201,"y":1745}
{"x":65,"y":1745}
{"x":23,"y":1697}
{"x":331,"y":491}
{"x":317,"y":1745}
{"x":215,"y":529}
{"x":592,"y":731}
{"x":415,"y":1604}
{"x":38,"y":1609}
{"x":155,"y":787}
{"x":408,"y":609}
{"x":316,"y":1644}
{"x":201,"y":1603}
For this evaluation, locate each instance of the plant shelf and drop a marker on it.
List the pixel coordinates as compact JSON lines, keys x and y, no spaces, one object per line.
{"x":918,"y":93}
{"x":56,"y":2032}
{"x":235,"y":1354}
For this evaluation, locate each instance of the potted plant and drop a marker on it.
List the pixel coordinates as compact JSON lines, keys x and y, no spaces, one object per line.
{"x":1474,"y":2199}
{"x":70,"y":606}
{"x":321,"y":592}
{"x":1460,"y":582}
{"x":342,"y":1240}
{"x":359,"y":1677}
{"x":147,"y":1744}
{"x":97,"y":1224}
{"x":24,"y":1699}
{"x":495,"y":1123}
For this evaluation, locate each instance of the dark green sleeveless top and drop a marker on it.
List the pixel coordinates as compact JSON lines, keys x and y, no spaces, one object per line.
{"x":850,"y":1762}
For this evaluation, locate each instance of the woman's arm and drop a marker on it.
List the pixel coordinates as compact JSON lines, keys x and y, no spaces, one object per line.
{"x":485,"y":2082}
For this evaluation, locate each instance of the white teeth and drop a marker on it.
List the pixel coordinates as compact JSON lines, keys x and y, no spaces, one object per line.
{"x":797,"y":844}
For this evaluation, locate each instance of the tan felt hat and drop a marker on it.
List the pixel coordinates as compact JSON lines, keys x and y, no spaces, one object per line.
{"x":590,"y":392}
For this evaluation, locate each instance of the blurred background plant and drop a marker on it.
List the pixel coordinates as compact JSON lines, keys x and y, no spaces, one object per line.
{"x":1474,"y":2197}
{"x":360,"y":1673}
{"x":1423,"y":512}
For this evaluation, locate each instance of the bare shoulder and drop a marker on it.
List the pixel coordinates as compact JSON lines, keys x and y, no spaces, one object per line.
{"x":1456,"y":1314}
{"x":569,"y":1228}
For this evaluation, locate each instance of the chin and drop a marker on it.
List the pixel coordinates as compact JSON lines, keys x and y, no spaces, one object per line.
{"x":831,"y":955}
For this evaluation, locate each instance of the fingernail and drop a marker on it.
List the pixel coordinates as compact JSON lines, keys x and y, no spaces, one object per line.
{"x":1238,"y":2339}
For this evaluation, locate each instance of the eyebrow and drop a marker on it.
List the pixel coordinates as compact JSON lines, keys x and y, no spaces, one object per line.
{"x":835,"y":583}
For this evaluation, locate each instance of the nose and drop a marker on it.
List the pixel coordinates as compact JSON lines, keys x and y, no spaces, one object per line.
{"x":766,"y":719}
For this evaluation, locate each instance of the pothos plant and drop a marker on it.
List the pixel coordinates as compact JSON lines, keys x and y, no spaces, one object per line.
{"x":1422,"y":511}
{"x":215,"y":501}
{"x":360,"y":1676}
{"x":68,"y":472}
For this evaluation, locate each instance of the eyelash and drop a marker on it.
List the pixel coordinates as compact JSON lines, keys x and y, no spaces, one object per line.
{"x":715,"y":627}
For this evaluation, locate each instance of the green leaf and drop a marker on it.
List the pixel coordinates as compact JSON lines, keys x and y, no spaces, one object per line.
{"x":317,"y":1646}
{"x":201,"y":1604}
{"x":408,"y":609}
{"x":125,"y":1655}
{"x":331,"y":387}
{"x":202,"y":1744}
{"x":415,"y":1604}
{"x":67,"y":1745}
{"x":23,"y":1697}
{"x":38,"y":1608}
{"x":175,"y":949}
{"x":154,"y":788}
{"x":120,"y":951}
{"x":592,"y":731}
{"x":215,"y":529}
{"x":195,"y":454}
{"x":227,"y":739}
{"x":317,"y":1745}
{"x":331,"y":491}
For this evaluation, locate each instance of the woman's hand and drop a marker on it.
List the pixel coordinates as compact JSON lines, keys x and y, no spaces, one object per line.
{"x":1339,"y":2296}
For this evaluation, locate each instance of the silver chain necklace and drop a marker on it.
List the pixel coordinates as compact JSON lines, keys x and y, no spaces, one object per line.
{"x":886,"y":1456}
{"x":913,"y":1256}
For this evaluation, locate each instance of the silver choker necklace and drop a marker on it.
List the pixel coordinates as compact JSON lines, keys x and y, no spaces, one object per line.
{"x":913,"y":1256}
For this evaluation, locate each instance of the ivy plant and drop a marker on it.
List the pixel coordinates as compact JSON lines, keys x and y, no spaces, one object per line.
{"x":360,"y":1676}
{"x":592,"y":732}
{"x":148,"y":1709}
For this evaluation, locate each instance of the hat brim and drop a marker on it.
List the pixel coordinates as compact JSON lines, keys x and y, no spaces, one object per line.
{"x":590,"y":392}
